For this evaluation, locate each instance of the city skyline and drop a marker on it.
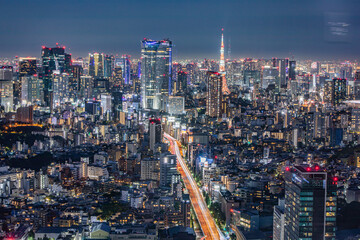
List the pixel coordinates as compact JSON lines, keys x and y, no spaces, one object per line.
{"x":260,"y":29}
{"x":159,"y":120}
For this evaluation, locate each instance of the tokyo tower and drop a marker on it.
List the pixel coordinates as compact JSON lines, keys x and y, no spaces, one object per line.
{"x":225,"y":88}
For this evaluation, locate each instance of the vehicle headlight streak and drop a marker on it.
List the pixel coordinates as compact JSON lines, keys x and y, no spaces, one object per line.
{"x":210,"y":230}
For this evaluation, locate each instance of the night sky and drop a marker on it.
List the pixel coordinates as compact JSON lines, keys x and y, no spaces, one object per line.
{"x":256,"y":28}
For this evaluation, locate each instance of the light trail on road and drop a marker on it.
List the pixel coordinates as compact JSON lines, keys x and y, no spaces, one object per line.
{"x":206,"y":221}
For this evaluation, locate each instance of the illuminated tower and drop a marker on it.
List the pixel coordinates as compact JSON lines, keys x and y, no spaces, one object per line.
{"x":225,"y":88}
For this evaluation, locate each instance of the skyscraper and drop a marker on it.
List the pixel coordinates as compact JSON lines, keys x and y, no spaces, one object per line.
{"x":98,"y":65}
{"x":60,"y":91}
{"x":155,"y":132}
{"x":225,"y":88}
{"x":279,"y":220}
{"x":310,"y":203}
{"x":155,"y":73}
{"x":168,"y":169}
{"x":116,"y":102}
{"x":108,"y":65}
{"x":338,"y":91}
{"x":292,"y":67}
{"x":6,"y":88}
{"x":117,"y":74}
{"x":105,"y":102}
{"x":31,"y":90}
{"x":53,"y":60}
{"x":357,"y":85}
{"x":214,"y":94}
{"x":91,"y":65}
{"x":126,"y":69}
{"x":283,"y":65}
{"x":180,"y":84}
{"x":74,"y":84}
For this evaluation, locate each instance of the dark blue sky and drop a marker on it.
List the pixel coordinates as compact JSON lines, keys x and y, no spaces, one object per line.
{"x":257,"y":28}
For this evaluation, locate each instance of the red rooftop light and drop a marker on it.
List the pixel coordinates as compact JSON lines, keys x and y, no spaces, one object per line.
{"x":336,"y":179}
{"x":287,"y":169}
{"x":317,"y":168}
{"x":308,"y":169}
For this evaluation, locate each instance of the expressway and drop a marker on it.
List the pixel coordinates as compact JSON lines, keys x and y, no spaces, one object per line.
{"x":206,"y":221}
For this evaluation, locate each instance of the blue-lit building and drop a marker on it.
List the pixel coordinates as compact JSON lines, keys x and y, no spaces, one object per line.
{"x":126,"y":69}
{"x":155,"y":73}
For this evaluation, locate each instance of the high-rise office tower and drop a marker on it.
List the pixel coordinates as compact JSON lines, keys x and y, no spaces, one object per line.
{"x":105,"y":102}
{"x":117,"y":74}
{"x":338,"y":91}
{"x":108,"y":65}
{"x":168,"y":170}
{"x":292,"y":67}
{"x":74,"y":81}
{"x":279,"y":220}
{"x":126,"y":69}
{"x":136,"y":78}
{"x":191,"y":72}
{"x":328,"y":91}
{"x":96,"y":65}
{"x":27,"y":73}
{"x":313,"y":84}
{"x":27,"y":66}
{"x":86,"y":87}
{"x":155,"y":132}
{"x":357,"y":86}
{"x":176,"y":67}
{"x":53,"y":60}
{"x":180,"y":84}
{"x":91,"y":65}
{"x":310,"y":203}
{"x":99,"y":65}
{"x":225,"y":88}
{"x":68,"y":63}
{"x":283,"y":66}
{"x":116,"y":102}
{"x":31,"y":90}
{"x":155,"y":73}
{"x":6,"y":88}
{"x":214,"y":94}
{"x":60,"y":91}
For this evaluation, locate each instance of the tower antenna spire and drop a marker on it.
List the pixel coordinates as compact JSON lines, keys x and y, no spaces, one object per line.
{"x":225,"y":88}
